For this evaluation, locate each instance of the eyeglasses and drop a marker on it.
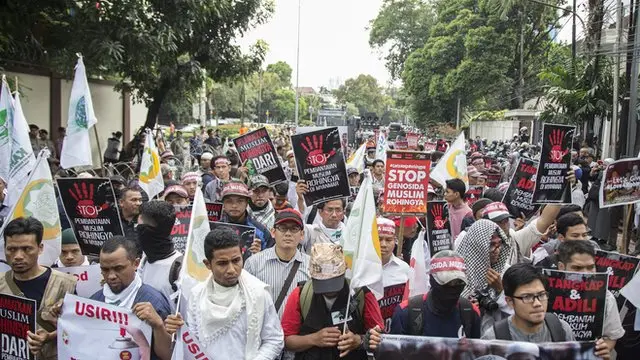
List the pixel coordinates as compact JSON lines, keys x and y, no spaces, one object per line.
{"x":284,"y":229}
{"x":336,"y":211}
{"x":529,"y":298}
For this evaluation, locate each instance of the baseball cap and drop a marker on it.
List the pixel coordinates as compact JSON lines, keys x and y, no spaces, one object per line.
{"x":496,"y":212}
{"x":176,"y":189}
{"x":386,"y":226}
{"x":235,"y":188}
{"x":259,"y":180}
{"x":446,"y":266}
{"x":327,"y":268}
{"x":288,"y":215}
{"x":352,"y":170}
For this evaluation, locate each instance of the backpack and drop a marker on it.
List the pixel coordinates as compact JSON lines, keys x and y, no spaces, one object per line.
{"x":306,"y":295}
{"x":501,"y":328}
{"x":416,"y":315}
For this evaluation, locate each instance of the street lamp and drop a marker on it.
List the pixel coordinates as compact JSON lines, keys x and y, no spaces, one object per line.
{"x":298,"y":65}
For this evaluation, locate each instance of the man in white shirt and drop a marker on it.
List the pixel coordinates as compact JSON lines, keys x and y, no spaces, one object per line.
{"x":231,"y":313}
{"x":330,"y":228}
{"x":395,"y":271}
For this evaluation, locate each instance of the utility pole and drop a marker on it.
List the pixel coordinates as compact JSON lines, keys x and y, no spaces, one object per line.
{"x":298,"y":66}
{"x":521,"y":70}
{"x":458,"y":116}
{"x":573,"y":35}
{"x":633,"y":94}
{"x":260,"y":97}
{"x":612,"y":126}
{"x":243,"y":100}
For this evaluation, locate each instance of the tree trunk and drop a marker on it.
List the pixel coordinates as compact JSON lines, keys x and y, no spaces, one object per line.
{"x":154,"y":108}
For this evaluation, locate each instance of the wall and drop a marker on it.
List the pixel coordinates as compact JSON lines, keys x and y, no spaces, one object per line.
{"x":494,"y":130}
{"x":35,"y":99}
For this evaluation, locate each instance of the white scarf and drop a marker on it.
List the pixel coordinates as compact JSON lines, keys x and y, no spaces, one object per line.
{"x":214,"y":309}
{"x":126,"y":297}
{"x":336,"y":235}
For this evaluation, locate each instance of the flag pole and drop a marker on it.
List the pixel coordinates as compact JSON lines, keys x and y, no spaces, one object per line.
{"x":400,"y":237}
{"x":95,"y":132}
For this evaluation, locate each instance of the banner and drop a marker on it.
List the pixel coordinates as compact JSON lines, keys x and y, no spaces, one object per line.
{"x":438,"y":227}
{"x":18,"y":317}
{"x":406,"y":181}
{"x":214,"y":211}
{"x":180,"y":230}
{"x":578,"y":299}
{"x":551,"y":187}
{"x":320,"y":162}
{"x":390,"y":300}
{"x":394,"y":347}
{"x":412,"y":140}
{"x":247,"y":233}
{"x":89,"y":329}
{"x":518,"y":196}
{"x":89,"y":278}
{"x":474,"y":193}
{"x":620,"y":268}
{"x":621,"y":183}
{"x":401,"y":145}
{"x":257,"y":147}
{"x":91,"y":207}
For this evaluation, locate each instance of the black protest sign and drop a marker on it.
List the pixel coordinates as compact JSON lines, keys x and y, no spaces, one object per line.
{"x":247,"y":233}
{"x":18,"y":317}
{"x":438,"y":227}
{"x":551,"y":187}
{"x":621,"y":183}
{"x":320,"y":163}
{"x":578,"y":299}
{"x":257,"y":147}
{"x":473,"y":194}
{"x":91,"y":206}
{"x":520,"y":192}
{"x":214,"y":211}
{"x":180,"y":230}
{"x":620,"y":268}
{"x":390,"y":300}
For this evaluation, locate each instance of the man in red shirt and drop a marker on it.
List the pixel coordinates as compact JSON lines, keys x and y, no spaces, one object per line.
{"x":314,"y":316}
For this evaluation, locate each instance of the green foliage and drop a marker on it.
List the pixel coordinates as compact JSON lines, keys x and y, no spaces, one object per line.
{"x":283,"y":70}
{"x":364,"y":93}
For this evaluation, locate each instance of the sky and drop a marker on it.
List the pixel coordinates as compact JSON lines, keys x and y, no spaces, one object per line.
{"x":334,"y":40}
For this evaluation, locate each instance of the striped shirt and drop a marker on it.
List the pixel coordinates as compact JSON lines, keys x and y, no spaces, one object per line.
{"x":267,"y":267}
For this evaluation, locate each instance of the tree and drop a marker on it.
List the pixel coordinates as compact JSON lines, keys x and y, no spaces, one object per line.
{"x":400,"y":28}
{"x":283,"y":70}
{"x":150,"y":48}
{"x":363,"y":92}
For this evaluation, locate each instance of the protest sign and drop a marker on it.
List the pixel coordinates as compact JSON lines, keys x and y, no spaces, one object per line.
{"x":343,"y":130}
{"x":91,"y":206}
{"x":18,"y":317}
{"x":473,"y":194}
{"x":257,"y":147}
{"x":520,"y":192}
{"x":405,"y":185}
{"x":438,"y":227}
{"x":551,"y":187}
{"x":430,"y":146}
{"x":247,"y":233}
{"x":180,"y":230}
{"x":578,"y":299}
{"x":88,"y":276}
{"x":621,"y":183}
{"x":492,"y":179}
{"x":412,"y":141}
{"x":89,"y":329}
{"x":394,"y":347}
{"x":401,"y":145}
{"x":620,"y":268}
{"x":214,"y":211}
{"x":390,"y":300}
{"x":320,"y":162}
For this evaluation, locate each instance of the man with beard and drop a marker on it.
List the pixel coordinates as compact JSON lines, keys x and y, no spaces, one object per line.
{"x":260,"y":208}
{"x":130,"y":201}
{"x":442,"y":312}
{"x":231,"y":313}
{"x":22,"y":246}
{"x":316,"y":311}
{"x":161,"y":263}
{"x":124,"y":288}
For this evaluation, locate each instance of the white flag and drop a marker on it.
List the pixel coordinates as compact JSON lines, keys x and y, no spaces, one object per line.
{"x":38,"y":200}
{"x":361,"y":242}
{"x":418,"y":282}
{"x":381,"y":147}
{"x":453,"y":165}
{"x":357,"y":158}
{"x":22,"y":158}
{"x":6,"y":119}
{"x":193,"y":270}
{"x":76,"y":148}
{"x":150,"y":174}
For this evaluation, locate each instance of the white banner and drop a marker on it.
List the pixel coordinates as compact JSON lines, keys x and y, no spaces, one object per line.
{"x":88,"y":277}
{"x":91,"y":329}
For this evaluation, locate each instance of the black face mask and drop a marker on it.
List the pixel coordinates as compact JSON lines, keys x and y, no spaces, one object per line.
{"x":442,"y":299}
{"x":155,"y":243}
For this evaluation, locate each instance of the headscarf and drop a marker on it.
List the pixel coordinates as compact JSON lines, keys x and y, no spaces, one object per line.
{"x":474,"y":248}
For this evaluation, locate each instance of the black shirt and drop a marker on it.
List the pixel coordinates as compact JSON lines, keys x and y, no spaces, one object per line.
{"x":34,"y":288}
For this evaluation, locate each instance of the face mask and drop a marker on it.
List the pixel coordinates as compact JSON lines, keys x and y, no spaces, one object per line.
{"x":443,"y":299}
{"x":155,"y":244}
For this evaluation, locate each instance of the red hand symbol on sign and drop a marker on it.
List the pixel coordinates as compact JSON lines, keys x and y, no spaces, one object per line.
{"x":556,"y":138}
{"x":315,"y":150}
{"x":85,"y":206}
{"x":438,"y":221}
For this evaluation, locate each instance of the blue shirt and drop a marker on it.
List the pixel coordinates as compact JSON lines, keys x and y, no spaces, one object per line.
{"x":150,"y":295}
